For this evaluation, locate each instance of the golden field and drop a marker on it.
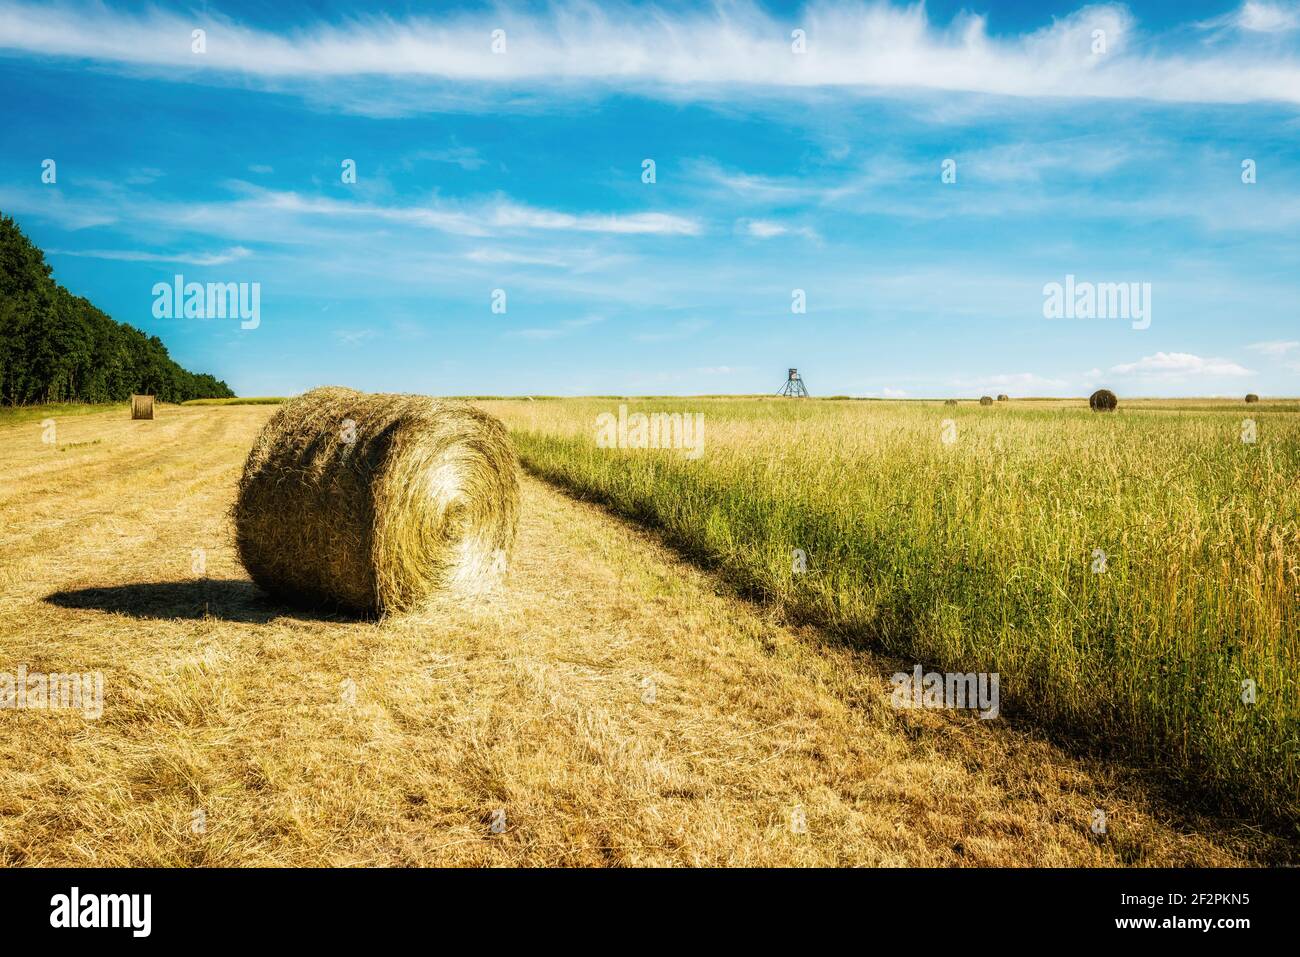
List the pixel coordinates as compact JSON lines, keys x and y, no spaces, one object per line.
{"x":1133,"y":577}
{"x":611,"y":704}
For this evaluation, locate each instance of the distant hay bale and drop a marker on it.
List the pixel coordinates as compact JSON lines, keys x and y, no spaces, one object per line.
{"x":1103,"y":400}
{"x":986,"y":400}
{"x":375,"y":503}
{"x":1004,"y":398}
{"x":949,"y":401}
{"x":142,"y":407}
{"x":1251,"y":397}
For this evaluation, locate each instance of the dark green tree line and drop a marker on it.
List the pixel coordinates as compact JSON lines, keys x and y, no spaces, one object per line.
{"x":57,"y":347}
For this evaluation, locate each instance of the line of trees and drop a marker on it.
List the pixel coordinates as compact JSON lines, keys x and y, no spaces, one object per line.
{"x":57,"y":347}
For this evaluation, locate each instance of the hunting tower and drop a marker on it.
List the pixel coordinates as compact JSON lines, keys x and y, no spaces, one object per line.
{"x":793,"y":387}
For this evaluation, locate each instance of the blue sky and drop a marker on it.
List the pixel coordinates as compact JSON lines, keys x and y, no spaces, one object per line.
{"x":775,"y":171}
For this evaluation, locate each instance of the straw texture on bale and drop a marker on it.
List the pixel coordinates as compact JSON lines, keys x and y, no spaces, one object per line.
{"x":949,"y":401}
{"x":142,"y":407}
{"x":1103,"y":400}
{"x":986,"y":400}
{"x":377,"y":502}
{"x":1004,"y":398}
{"x":1251,"y":397}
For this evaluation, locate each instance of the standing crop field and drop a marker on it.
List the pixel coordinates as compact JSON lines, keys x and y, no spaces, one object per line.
{"x":1132,"y":576}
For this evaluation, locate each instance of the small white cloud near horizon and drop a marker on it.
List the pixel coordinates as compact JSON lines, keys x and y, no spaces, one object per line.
{"x":1178,"y":365}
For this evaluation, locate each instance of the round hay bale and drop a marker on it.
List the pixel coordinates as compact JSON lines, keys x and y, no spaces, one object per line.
{"x":142,"y":407}
{"x":986,"y":400}
{"x":1004,"y":398}
{"x":1251,"y":397}
{"x":375,"y":503}
{"x":949,"y":401}
{"x":1103,"y":400}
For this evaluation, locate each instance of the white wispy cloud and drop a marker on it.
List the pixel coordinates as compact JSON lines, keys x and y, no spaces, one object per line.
{"x":466,"y":157}
{"x":144,"y":176}
{"x":682,"y":329}
{"x":1259,"y":16}
{"x":1022,"y":383}
{"x":762,"y":229}
{"x":1084,"y":156}
{"x":233,"y":254}
{"x":1274,"y":348}
{"x":1012,"y":180}
{"x":767,"y":229}
{"x":1269,"y":17}
{"x":566,"y":328}
{"x":510,"y":215}
{"x":754,"y":187}
{"x":466,"y":218}
{"x":482,"y":219}
{"x":352,"y":337}
{"x":1179,"y":365}
{"x":491,"y":256}
{"x":862,"y":45}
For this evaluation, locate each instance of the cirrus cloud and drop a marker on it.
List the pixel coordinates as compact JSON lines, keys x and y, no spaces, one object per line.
{"x":693,"y":53}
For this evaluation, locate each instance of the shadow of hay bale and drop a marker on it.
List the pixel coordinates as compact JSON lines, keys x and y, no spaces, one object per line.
{"x":225,"y":599}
